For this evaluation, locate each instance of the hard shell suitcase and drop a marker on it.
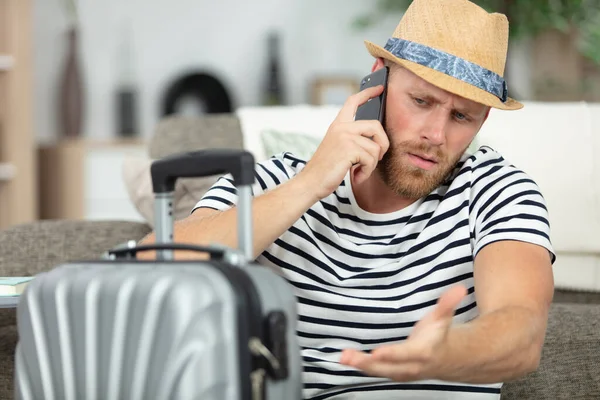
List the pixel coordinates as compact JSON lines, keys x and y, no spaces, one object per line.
{"x":122,"y":328}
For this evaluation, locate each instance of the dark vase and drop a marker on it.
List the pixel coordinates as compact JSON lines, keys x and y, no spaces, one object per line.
{"x":273,"y":93}
{"x":71,"y":103}
{"x":126,"y":112}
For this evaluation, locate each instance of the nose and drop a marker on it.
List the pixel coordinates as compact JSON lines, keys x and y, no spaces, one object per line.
{"x":435,"y":128}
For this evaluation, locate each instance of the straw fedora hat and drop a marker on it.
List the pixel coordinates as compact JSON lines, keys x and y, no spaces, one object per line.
{"x":455,"y":45}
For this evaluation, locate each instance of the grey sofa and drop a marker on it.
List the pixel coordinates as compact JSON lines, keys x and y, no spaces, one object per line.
{"x":570,"y":366}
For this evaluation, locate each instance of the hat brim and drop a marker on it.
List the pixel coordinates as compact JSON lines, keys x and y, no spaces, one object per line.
{"x":446,"y":82}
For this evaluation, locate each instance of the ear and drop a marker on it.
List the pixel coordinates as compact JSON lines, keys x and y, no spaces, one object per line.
{"x":378,"y":64}
{"x":487,"y":114}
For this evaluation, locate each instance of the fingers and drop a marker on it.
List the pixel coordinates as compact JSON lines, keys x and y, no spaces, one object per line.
{"x":364,"y":161}
{"x":407,"y":351}
{"x":370,"y":146}
{"x":355,"y":358}
{"x":448,"y":302}
{"x":369,"y":364}
{"x":348,"y":111}
{"x":373,"y":130}
{"x":370,"y":137}
{"x":405,"y":372}
{"x":412,"y":359}
{"x":369,"y":157}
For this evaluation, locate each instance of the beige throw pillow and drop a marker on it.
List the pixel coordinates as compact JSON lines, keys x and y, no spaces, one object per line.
{"x":138,"y":181}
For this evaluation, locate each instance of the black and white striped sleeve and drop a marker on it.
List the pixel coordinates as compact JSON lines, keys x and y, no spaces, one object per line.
{"x":510,"y":206}
{"x":267,"y":175}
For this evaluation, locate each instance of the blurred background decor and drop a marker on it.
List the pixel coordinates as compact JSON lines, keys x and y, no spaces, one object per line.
{"x":126,"y":84}
{"x":273,"y":91}
{"x":563,"y":37}
{"x":70,"y":90}
{"x":196,"y":93}
{"x":142,"y":62}
{"x":333,"y":90}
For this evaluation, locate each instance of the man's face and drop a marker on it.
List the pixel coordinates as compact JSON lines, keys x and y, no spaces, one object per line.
{"x":429,"y":129}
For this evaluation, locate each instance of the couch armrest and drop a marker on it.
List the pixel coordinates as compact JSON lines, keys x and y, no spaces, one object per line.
{"x":570,"y":365}
{"x":36,"y":247}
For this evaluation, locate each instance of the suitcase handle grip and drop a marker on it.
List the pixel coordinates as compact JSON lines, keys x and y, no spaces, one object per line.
{"x":215,"y":253}
{"x":201,"y":163}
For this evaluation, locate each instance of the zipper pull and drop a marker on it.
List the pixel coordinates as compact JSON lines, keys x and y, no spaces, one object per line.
{"x":258,"y":349}
{"x":257,"y":378}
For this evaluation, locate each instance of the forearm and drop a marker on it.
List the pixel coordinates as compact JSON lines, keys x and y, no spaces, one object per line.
{"x":273,"y":213}
{"x":496,"y":347}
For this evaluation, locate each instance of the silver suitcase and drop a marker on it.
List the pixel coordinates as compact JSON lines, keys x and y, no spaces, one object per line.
{"x":122,"y":328}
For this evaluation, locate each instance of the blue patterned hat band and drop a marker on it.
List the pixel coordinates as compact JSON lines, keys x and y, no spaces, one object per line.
{"x":449,"y":64}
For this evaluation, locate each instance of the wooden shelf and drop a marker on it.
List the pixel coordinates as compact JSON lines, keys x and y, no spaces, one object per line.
{"x":7,"y":172}
{"x":6,"y":62}
{"x":18,"y":162}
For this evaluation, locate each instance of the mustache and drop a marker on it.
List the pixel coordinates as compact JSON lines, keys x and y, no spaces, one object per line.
{"x":411,"y":146}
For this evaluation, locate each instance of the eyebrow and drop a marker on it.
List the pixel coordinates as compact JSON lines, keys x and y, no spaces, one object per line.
{"x":466,"y":110}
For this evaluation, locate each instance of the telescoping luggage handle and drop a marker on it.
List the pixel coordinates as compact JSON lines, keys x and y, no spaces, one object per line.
{"x":196,"y":164}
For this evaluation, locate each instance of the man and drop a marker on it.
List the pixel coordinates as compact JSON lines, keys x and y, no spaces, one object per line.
{"x":420,"y":271}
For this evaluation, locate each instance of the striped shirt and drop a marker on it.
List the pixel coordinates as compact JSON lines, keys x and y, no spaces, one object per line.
{"x":364,"y":279}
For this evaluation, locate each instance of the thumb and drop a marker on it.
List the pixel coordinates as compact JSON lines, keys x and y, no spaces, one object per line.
{"x":448,"y":302}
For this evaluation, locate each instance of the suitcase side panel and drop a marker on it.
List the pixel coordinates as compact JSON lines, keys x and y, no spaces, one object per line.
{"x":129,"y":332}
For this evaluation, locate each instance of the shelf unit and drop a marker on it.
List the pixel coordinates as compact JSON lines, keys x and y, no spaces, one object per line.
{"x":18,"y":165}
{"x":82,"y":179}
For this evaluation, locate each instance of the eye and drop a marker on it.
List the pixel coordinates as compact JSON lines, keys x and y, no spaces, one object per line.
{"x":420,"y":102}
{"x":460,"y":116}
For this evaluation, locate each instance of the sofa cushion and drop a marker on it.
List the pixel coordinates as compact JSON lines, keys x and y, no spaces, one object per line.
{"x":28,"y":249}
{"x":179,"y":134}
{"x":138,"y":182}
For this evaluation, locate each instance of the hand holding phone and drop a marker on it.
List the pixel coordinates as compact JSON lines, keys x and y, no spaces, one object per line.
{"x":349,"y":142}
{"x":374,"y":109}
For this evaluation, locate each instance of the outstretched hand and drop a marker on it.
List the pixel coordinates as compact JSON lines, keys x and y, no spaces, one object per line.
{"x":418,"y":356}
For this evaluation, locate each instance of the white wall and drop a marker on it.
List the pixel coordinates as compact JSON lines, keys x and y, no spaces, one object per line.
{"x":226,"y":37}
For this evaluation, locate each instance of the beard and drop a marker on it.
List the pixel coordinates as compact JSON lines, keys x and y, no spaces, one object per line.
{"x":408,"y":180}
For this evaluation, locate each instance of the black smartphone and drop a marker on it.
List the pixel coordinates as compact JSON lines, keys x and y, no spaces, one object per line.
{"x":375,"y":107}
